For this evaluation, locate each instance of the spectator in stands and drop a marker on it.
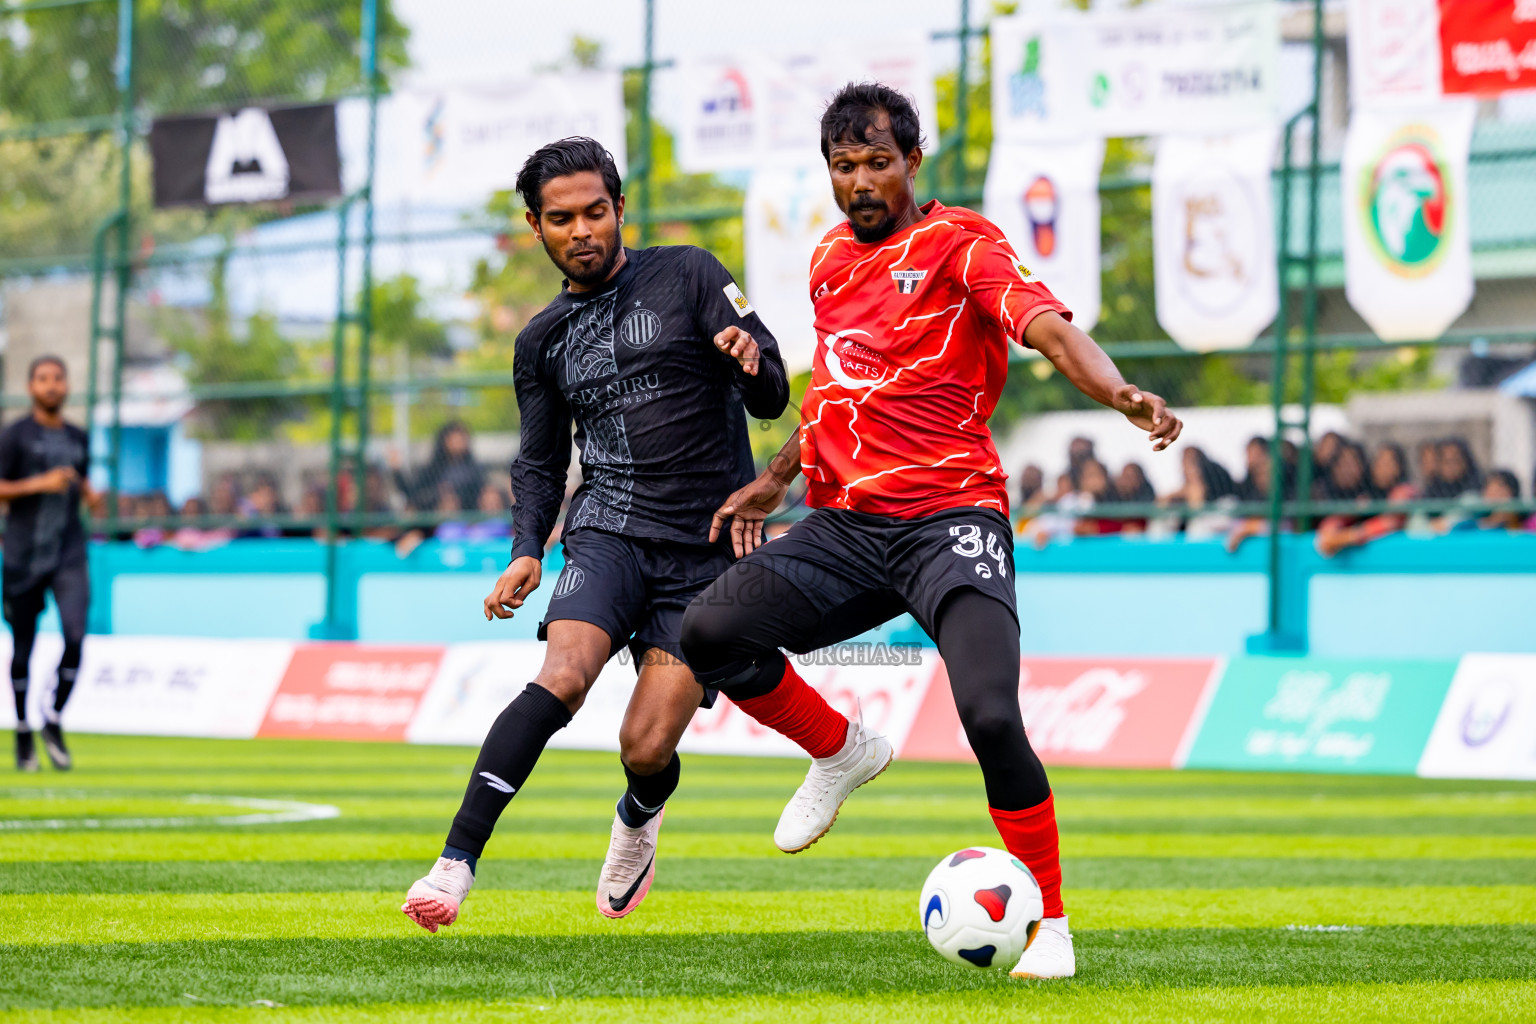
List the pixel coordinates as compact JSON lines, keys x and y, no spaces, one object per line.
{"x":1456,"y":471}
{"x":1348,"y":477}
{"x":1132,"y":485}
{"x":1501,"y":488}
{"x":311,"y":507}
{"x":1427,"y":456}
{"x":1094,"y":491}
{"x":191,"y":535}
{"x":1324,"y":452}
{"x":1031,"y":485}
{"x":224,"y":499}
{"x":493,"y":503}
{"x":153,"y":505}
{"x":262,"y":506}
{"x":1388,"y":479}
{"x":1256,"y":484}
{"x":1059,"y":523}
{"x":1205,"y":481}
{"x":452,"y":464}
{"x":1079,"y":451}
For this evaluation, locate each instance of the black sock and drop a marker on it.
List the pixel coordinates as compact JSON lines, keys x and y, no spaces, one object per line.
{"x":646,"y":794}
{"x":454,"y":853}
{"x":19,"y":688}
{"x":61,"y":694}
{"x":507,"y":756}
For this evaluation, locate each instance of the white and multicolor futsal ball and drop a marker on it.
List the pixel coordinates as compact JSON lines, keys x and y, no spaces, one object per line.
{"x":981,"y":907}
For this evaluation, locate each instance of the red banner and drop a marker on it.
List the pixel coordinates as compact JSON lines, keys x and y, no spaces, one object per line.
{"x":1487,"y":46}
{"x":350,"y":692}
{"x":1109,"y":712}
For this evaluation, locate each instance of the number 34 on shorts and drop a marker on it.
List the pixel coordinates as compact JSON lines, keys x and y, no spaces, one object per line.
{"x":971,"y":541}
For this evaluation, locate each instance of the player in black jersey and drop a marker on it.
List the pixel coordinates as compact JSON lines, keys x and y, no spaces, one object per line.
{"x":653,"y":354}
{"x":43,"y":466}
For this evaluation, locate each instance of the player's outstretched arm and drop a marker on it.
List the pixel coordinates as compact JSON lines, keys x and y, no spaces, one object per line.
{"x":1092,"y":372}
{"x":746,"y":509}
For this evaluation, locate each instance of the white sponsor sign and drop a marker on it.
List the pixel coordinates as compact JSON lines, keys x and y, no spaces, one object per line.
{"x":1213,"y":237}
{"x":888,"y":696}
{"x":1407,"y":242}
{"x":246,"y":162}
{"x":1144,"y":71}
{"x":788,"y":211}
{"x":756,"y":109}
{"x":457,"y":146}
{"x":1045,"y":198}
{"x":162,"y":686}
{"x":476,"y":681}
{"x":1394,"y":51}
{"x":1487,"y":726}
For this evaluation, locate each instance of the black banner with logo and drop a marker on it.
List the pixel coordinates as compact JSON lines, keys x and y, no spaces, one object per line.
{"x":252,"y":155}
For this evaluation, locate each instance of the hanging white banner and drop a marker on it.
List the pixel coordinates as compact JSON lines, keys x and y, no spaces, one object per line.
{"x":1045,"y":198}
{"x":1407,"y":243}
{"x":456,"y":147}
{"x":745,"y":112}
{"x":1143,"y":71}
{"x":1394,"y":51}
{"x":1213,"y":238}
{"x":788,"y":211}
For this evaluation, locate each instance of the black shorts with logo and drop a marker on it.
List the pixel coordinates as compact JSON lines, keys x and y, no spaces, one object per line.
{"x":860,"y":570}
{"x":633,"y":588}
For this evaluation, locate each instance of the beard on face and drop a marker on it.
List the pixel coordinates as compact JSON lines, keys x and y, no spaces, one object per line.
{"x":875,"y":232}
{"x":578,"y":274}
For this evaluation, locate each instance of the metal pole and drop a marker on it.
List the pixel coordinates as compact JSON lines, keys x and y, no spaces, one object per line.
{"x":124,"y":233}
{"x":1309,"y":301}
{"x":1277,"y":387}
{"x":962,"y":99}
{"x":646,"y":155}
{"x":338,"y":409}
{"x":365,"y":305}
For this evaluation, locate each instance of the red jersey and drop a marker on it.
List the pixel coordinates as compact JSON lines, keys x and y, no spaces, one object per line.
{"x":911,"y":355}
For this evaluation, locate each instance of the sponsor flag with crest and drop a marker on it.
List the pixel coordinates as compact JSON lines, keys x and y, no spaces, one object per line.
{"x":1213,"y":238}
{"x":1407,"y":242}
{"x":1045,"y":199}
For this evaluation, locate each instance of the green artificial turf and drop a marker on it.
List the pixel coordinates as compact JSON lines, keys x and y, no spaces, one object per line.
{"x":127,"y":894}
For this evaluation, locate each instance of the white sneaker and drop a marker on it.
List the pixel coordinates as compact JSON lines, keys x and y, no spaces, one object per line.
{"x":629,"y":867}
{"x":812,"y":810}
{"x":1049,"y":954}
{"x":434,"y":900}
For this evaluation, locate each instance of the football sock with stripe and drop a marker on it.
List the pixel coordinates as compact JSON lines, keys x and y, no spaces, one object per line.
{"x":507,"y":756}
{"x":1030,"y":835}
{"x":51,"y":712}
{"x":646,"y":794}
{"x":792,"y":708}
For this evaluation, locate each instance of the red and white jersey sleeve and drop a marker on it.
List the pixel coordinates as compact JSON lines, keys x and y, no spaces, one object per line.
{"x":911,"y":356}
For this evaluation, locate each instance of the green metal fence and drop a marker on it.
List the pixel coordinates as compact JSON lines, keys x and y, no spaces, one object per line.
{"x":80,"y":80}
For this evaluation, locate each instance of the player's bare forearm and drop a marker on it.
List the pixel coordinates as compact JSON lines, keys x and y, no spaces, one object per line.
{"x":1091,"y":371}
{"x":785,"y":466}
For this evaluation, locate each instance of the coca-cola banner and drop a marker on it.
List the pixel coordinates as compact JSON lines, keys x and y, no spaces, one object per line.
{"x":1415,"y":51}
{"x":1109,"y":712}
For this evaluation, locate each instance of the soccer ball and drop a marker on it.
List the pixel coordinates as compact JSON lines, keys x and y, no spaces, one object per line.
{"x":980,"y":907}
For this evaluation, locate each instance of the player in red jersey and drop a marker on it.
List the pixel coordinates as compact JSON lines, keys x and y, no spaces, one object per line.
{"x":915,"y":309}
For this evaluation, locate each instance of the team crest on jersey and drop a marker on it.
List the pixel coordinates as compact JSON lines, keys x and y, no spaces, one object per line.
{"x":908,"y":280}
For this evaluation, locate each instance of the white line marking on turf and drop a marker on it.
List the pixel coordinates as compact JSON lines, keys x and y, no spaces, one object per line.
{"x":271,"y":812}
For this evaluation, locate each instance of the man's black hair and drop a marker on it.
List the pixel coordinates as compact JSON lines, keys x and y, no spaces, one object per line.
{"x":46,"y":360}
{"x":854,"y":111}
{"x":558,"y":159}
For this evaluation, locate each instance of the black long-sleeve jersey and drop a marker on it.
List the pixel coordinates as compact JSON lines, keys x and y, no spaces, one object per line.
{"x":658,"y":409}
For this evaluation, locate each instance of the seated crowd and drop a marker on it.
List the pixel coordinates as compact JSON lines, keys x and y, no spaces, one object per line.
{"x":1213,"y":503}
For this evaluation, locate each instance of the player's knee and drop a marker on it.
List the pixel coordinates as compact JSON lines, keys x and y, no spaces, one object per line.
{"x":992,"y":723}
{"x":644,"y":755}
{"x":566,"y":682}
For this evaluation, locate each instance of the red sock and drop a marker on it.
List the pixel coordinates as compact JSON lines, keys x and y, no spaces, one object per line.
{"x":1030,"y":835}
{"x":799,"y":712}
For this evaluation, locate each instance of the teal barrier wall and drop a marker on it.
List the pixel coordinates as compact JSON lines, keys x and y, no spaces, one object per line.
{"x":1399,"y":597}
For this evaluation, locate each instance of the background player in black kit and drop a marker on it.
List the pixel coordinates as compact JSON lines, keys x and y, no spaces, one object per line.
{"x":43,"y":466}
{"x":652,"y":354}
